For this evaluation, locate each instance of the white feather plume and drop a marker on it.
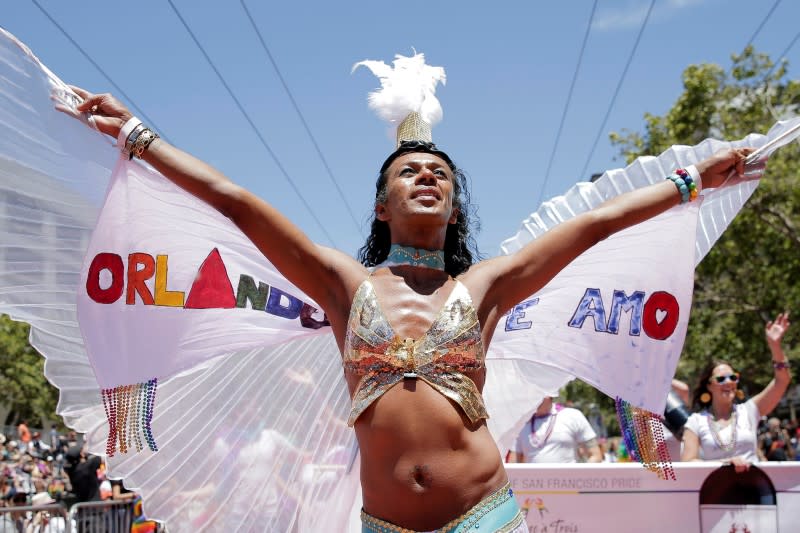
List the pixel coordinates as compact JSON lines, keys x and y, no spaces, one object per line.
{"x":408,"y":86}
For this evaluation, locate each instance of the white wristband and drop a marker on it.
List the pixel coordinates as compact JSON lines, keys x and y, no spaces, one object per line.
{"x":126,"y":130}
{"x":692,"y":170}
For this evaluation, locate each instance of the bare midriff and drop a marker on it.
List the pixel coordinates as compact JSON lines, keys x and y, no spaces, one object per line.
{"x":422,"y":462}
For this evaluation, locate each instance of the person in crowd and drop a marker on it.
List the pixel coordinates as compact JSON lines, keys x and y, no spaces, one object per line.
{"x":82,"y":468}
{"x":119,"y":493}
{"x":556,"y":434}
{"x":82,"y":471}
{"x":11,"y":451}
{"x":65,"y":442}
{"x":676,"y":413}
{"x":23,"y":435}
{"x":37,"y":446}
{"x":775,"y":443}
{"x":44,"y":521}
{"x":53,"y":438}
{"x":595,"y":418}
{"x":119,"y":519}
{"x":23,"y":473}
{"x":14,"y":521}
{"x":6,"y":484}
{"x":427,"y":457}
{"x":794,"y":432}
{"x":7,"y":524}
{"x":724,"y":430}
{"x":611,"y":454}
{"x":57,"y":488}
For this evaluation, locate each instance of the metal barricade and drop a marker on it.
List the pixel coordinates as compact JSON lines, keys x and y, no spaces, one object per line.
{"x":102,"y":517}
{"x":51,"y":518}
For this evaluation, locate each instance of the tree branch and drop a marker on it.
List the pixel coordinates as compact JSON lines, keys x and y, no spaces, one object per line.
{"x":786,"y":226}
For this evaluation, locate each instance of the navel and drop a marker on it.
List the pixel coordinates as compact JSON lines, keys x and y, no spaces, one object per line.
{"x":421,"y":475}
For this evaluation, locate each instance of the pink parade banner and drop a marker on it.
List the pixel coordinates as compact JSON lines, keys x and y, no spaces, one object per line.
{"x":706,"y":497}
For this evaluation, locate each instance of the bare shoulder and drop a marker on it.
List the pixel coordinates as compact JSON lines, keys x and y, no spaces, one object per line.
{"x":481,"y":277}
{"x":345,"y":272}
{"x":482,"y":280}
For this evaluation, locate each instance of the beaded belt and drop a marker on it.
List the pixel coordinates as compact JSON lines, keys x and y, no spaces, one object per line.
{"x":463,"y":523}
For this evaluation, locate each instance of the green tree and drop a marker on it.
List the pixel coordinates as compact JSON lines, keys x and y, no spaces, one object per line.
{"x":752,"y":273}
{"x":24,"y":391}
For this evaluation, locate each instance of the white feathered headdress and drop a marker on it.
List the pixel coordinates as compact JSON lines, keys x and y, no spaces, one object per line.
{"x":407,"y":97}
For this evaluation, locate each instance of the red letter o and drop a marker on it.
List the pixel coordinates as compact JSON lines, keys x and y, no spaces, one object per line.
{"x":660,"y":301}
{"x":112,"y":263}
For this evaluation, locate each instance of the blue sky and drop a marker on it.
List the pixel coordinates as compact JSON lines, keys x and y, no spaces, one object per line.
{"x":509,"y":69}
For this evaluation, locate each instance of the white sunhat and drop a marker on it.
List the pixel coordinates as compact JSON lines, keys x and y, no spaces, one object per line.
{"x":41,"y":498}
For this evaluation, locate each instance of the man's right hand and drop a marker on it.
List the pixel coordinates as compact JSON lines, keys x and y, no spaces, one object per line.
{"x":108,"y":113}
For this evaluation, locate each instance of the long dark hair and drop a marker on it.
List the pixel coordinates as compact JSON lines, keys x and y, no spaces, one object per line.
{"x":460,"y":249}
{"x":702,"y":382}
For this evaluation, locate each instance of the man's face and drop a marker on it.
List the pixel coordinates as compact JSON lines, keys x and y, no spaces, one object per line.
{"x":418,"y":184}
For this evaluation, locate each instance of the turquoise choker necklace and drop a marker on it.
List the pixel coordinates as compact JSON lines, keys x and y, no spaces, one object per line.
{"x":406,"y":255}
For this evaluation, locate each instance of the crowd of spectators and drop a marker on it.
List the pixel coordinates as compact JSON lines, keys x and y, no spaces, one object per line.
{"x":39,"y":471}
{"x":33,"y":465}
{"x":777,"y":439}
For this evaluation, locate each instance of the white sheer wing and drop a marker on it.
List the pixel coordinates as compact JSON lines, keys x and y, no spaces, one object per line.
{"x":255,"y":438}
{"x":718,"y":209}
{"x":524,"y":372}
{"x":53,"y":175}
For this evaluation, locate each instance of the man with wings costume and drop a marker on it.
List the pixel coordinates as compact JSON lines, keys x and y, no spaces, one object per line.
{"x":223,"y":401}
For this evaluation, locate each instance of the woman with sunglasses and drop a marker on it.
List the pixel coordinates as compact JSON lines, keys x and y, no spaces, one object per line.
{"x":727,"y":431}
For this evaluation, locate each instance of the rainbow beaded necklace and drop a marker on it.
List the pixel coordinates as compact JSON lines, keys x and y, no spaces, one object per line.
{"x":533,"y":438}
{"x":406,"y":255}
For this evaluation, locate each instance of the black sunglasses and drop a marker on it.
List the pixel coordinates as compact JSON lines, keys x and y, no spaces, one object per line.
{"x":733,"y":378}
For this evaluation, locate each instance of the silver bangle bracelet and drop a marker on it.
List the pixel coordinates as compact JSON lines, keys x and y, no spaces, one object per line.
{"x":130,"y":142}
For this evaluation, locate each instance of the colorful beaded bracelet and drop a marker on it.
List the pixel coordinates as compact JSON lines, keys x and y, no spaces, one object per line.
{"x":685,"y":184}
{"x":780,"y":365}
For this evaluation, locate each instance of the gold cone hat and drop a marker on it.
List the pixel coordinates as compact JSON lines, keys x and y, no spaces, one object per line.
{"x":413,"y":128}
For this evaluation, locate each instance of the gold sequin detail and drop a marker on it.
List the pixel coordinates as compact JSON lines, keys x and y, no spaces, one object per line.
{"x":451,"y":346}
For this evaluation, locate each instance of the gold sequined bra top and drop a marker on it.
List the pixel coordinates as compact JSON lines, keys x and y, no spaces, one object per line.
{"x":451,"y":346}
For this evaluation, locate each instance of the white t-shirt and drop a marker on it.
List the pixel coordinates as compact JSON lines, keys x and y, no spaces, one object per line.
{"x":747,"y":417}
{"x":569,"y":429}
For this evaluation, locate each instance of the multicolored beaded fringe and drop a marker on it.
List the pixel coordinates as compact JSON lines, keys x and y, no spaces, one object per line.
{"x":644,"y":438}
{"x":129,"y":410}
